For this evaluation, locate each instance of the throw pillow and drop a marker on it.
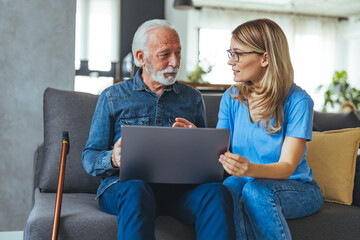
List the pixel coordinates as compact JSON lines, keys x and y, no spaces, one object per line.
{"x":332,"y":157}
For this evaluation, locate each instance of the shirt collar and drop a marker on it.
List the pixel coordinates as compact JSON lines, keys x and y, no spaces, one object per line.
{"x":139,"y":85}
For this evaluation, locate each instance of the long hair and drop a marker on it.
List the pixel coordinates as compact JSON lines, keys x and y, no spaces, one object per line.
{"x":142,"y":34}
{"x":264,"y":35}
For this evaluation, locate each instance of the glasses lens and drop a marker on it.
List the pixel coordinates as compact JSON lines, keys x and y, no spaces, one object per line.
{"x":231,"y":55}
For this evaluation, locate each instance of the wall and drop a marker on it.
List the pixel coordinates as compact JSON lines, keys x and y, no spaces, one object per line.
{"x":132,"y":16}
{"x":37,"y":40}
{"x":180,"y":19}
{"x":188,"y":31}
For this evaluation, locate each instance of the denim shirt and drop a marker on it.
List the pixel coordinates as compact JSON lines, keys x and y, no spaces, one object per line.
{"x":131,"y":103}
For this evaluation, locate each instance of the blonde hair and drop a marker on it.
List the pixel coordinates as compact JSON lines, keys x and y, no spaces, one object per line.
{"x":264,"y":35}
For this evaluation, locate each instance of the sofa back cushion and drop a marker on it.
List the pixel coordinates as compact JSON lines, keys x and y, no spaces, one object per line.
{"x":66,"y":111}
{"x":212,"y":103}
{"x":73,"y":111}
{"x":324,"y":121}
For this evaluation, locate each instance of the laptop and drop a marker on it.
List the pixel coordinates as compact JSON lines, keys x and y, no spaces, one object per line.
{"x":172,"y":155}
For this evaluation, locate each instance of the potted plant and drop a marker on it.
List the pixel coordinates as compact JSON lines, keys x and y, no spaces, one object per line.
{"x":196,"y":76}
{"x":339,"y":93}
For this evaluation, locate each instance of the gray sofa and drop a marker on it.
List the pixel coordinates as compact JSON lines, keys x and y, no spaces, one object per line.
{"x":81,"y":217}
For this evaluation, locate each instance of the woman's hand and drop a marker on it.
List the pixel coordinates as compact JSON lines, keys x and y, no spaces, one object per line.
{"x":234,"y":164}
{"x":182,"y":122}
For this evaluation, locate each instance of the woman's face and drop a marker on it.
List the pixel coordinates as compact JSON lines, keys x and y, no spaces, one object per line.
{"x":250,"y":67}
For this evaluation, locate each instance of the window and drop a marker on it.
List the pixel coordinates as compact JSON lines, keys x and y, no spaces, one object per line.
{"x":213,"y":53}
{"x":313,"y":42}
{"x":96,"y":44}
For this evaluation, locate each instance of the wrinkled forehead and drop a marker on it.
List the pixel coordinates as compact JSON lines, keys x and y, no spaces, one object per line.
{"x":160,"y":37}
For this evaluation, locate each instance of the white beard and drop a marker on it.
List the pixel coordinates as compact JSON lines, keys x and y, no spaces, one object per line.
{"x":159,"y":76}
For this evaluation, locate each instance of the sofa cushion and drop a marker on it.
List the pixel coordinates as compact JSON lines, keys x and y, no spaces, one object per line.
{"x":212,"y":103}
{"x":332,"y":157}
{"x":66,"y":111}
{"x":324,"y":121}
{"x":332,"y":222}
{"x":81,"y":218}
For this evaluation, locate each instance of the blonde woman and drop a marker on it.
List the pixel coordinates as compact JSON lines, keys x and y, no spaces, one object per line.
{"x":270,"y":119}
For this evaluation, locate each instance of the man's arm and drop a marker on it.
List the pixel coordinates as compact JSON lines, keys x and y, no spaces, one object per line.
{"x":96,"y":156}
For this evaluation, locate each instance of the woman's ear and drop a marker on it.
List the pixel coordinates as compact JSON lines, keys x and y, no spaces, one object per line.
{"x":140,"y":56}
{"x":264,"y":60}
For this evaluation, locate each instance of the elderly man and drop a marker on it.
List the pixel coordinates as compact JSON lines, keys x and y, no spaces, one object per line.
{"x":152,"y":97}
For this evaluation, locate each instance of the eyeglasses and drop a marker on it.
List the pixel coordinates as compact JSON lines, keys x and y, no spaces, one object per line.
{"x":236,"y":55}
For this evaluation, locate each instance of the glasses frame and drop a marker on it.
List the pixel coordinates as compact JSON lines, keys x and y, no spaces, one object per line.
{"x":235,"y":56}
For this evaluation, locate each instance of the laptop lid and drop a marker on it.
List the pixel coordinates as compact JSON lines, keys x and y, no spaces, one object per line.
{"x":172,"y":155}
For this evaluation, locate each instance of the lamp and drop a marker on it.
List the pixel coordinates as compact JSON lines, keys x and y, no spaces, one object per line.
{"x":183,"y":4}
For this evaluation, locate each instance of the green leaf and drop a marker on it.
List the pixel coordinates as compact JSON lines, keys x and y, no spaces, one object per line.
{"x":339,"y":91}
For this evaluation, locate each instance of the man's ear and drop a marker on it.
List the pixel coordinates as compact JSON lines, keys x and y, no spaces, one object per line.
{"x":140,"y":56}
{"x":264,"y":60}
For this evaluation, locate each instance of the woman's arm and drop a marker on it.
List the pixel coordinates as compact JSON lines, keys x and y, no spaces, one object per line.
{"x":291,"y":154}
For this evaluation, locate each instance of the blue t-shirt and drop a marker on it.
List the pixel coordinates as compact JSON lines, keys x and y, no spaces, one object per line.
{"x":254,"y":143}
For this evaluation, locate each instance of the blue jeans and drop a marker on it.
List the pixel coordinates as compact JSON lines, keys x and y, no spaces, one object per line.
{"x":137,"y":203}
{"x":262,"y":205}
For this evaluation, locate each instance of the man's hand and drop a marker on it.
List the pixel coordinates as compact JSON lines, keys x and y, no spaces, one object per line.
{"x":182,"y":122}
{"x":115,"y":156}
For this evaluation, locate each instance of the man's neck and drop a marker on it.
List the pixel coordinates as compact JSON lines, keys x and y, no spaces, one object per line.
{"x":154,"y":86}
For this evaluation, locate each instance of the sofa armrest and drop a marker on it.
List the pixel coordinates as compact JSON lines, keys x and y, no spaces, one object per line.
{"x":38,"y":162}
{"x":356,"y":192}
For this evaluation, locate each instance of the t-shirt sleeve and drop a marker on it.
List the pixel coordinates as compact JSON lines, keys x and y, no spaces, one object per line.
{"x":223,"y":116}
{"x":300,"y":119}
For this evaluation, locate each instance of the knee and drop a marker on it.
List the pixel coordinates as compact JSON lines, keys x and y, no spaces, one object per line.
{"x":255,"y":191}
{"x":217,"y":192}
{"x":137,"y":188}
{"x":132,"y":190}
{"x":235,"y":185}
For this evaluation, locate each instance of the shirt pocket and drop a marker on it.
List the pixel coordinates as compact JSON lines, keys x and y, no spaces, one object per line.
{"x":137,"y":120}
{"x":171,"y":117}
{"x":170,"y":120}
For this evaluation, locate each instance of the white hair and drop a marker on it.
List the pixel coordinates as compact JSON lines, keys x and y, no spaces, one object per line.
{"x":142,"y":34}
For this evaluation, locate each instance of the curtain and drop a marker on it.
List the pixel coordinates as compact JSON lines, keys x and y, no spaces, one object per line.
{"x":313,"y":43}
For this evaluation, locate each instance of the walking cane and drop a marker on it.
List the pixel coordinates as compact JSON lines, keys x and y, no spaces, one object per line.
{"x":64,"y":152}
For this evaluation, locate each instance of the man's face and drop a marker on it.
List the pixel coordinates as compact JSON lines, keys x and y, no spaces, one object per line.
{"x":162,"y":60}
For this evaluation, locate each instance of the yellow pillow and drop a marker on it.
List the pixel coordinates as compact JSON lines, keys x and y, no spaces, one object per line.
{"x":332,"y":157}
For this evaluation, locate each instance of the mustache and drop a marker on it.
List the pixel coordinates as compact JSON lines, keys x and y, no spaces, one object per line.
{"x":170,"y":70}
